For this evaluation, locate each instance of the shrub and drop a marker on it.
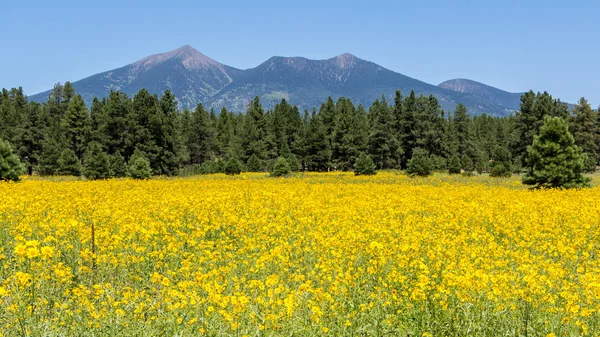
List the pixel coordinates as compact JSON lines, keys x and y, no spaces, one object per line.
{"x":364,"y":165}
{"x":139,"y":166}
{"x":233,"y":167}
{"x":501,"y":165}
{"x":10,"y":165}
{"x":280,"y":168}
{"x":420,"y":164}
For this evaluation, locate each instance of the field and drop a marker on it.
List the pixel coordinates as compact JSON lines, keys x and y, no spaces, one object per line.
{"x":311,"y":255}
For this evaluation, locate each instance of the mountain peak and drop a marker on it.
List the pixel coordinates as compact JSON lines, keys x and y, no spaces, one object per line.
{"x":345,"y":60}
{"x":187,"y":55}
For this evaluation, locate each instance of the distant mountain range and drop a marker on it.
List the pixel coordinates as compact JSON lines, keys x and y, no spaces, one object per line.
{"x":195,"y":78}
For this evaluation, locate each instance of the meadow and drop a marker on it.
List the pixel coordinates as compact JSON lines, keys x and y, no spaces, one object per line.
{"x":309,"y":255}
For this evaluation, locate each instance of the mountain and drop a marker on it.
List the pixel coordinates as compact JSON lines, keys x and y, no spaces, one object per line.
{"x":195,"y":78}
{"x":192,"y":76}
{"x":483,"y":94}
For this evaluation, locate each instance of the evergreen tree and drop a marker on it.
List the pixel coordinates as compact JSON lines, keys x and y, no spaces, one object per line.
{"x":74,"y":124}
{"x":316,"y":149}
{"x":466,"y":163}
{"x":233,"y":167}
{"x":280,"y":168}
{"x":10,"y":165}
{"x":254,"y":164}
{"x":254,"y":131}
{"x":364,"y":165}
{"x":554,"y":158}
{"x":383,"y":144}
{"x":454,"y":164}
{"x":167,"y":137}
{"x":51,"y":151}
{"x":118,"y":166}
{"x":294,"y":163}
{"x":202,"y":142}
{"x":481,"y":165}
{"x":501,"y":162}
{"x":350,"y":135}
{"x":31,"y":137}
{"x":420,"y":164}
{"x":139,"y":166}
{"x":96,"y":163}
{"x":69,"y":164}
{"x":585,"y":130}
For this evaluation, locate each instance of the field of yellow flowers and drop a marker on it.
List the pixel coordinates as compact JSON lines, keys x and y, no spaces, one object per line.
{"x":311,"y":255}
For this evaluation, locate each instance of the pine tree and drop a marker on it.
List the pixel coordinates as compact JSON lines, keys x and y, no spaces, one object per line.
{"x":350,"y":134}
{"x":202,"y":142}
{"x":454,"y":164}
{"x":481,"y":165}
{"x":139,"y":166}
{"x":51,"y":151}
{"x":420,"y":164}
{"x":233,"y":167}
{"x":118,"y":166}
{"x":167,"y":137}
{"x":280,"y":168}
{"x":254,"y":131}
{"x":383,"y":144}
{"x":501,"y":162}
{"x":585,"y":130}
{"x":31,"y":137}
{"x":294,"y":163}
{"x":69,"y":164}
{"x":74,"y":123}
{"x":254,"y":164}
{"x":316,"y":149}
{"x":96,"y":163}
{"x":554,"y":159}
{"x":364,"y":165}
{"x":466,"y":163}
{"x":10,"y":165}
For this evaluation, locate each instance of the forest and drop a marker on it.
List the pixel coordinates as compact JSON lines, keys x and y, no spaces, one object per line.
{"x":65,"y":137}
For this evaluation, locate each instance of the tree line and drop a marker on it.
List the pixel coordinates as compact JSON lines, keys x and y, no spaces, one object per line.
{"x":63,"y":137}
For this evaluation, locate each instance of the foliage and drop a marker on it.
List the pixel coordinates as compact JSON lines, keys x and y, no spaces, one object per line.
{"x":254,"y":164}
{"x":454,"y":164}
{"x":96,"y":163}
{"x":118,"y":166}
{"x":294,"y":163}
{"x":420,"y":164}
{"x":501,"y":165}
{"x":139,"y":166}
{"x":233,"y":167}
{"x":364,"y":166}
{"x":69,"y":164}
{"x":280,"y":168}
{"x":554,"y":159}
{"x":10,"y":165}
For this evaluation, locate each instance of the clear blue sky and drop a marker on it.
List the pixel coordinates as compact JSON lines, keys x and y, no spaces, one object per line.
{"x":514,"y":45}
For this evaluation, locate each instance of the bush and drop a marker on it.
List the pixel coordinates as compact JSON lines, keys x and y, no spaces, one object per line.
{"x":454,"y":164}
{"x":254,"y":164}
{"x":364,"y":165}
{"x":10,"y":165}
{"x":68,"y":163}
{"x":294,"y":163}
{"x":280,"y":168}
{"x":139,"y":166}
{"x":420,"y":164}
{"x":96,"y":163}
{"x":118,"y":166}
{"x":233,"y":167}
{"x":501,"y":165}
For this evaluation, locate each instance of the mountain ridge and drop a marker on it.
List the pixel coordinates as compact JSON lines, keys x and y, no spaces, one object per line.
{"x":196,"y":78}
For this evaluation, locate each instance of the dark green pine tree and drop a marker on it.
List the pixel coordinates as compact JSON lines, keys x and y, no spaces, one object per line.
{"x":202,"y":138}
{"x":96,"y":163}
{"x":117,"y":125}
{"x":146,"y":128}
{"x":482,"y":162}
{"x":554,"y":159}
{"x":51,"y":151}
{"x":454,"y":164}
{"x":69,"y":164}
{"x":32,"y":137}
{"x":75,"y":123}
{"x":501,"y":162}
{"x":420,"y":164}
{"x":585,"y":130}
{"x":233,"y":167}
{"x":97,"y":123}
{"x":280,"y":168}
{"x":328,"y":113}
{"x":118,"y":166}
{"x":350,"y":135}
{"x":466,"y":163}
{"x":10,"y":165}
{"x":405,"y":112}
{"x":383,"y":144}
{"x":461,"y":122}
{"x":294,"y":163}
{"x":254,"y":164}
{"x":253,"y":133}
{"x":364,"y":166}
{"x":167,"y":137}
{"x":317,"y":152}
{"x":139,"y":166}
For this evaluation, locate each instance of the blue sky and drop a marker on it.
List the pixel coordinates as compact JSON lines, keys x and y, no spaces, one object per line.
{"x":513,"y":45}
